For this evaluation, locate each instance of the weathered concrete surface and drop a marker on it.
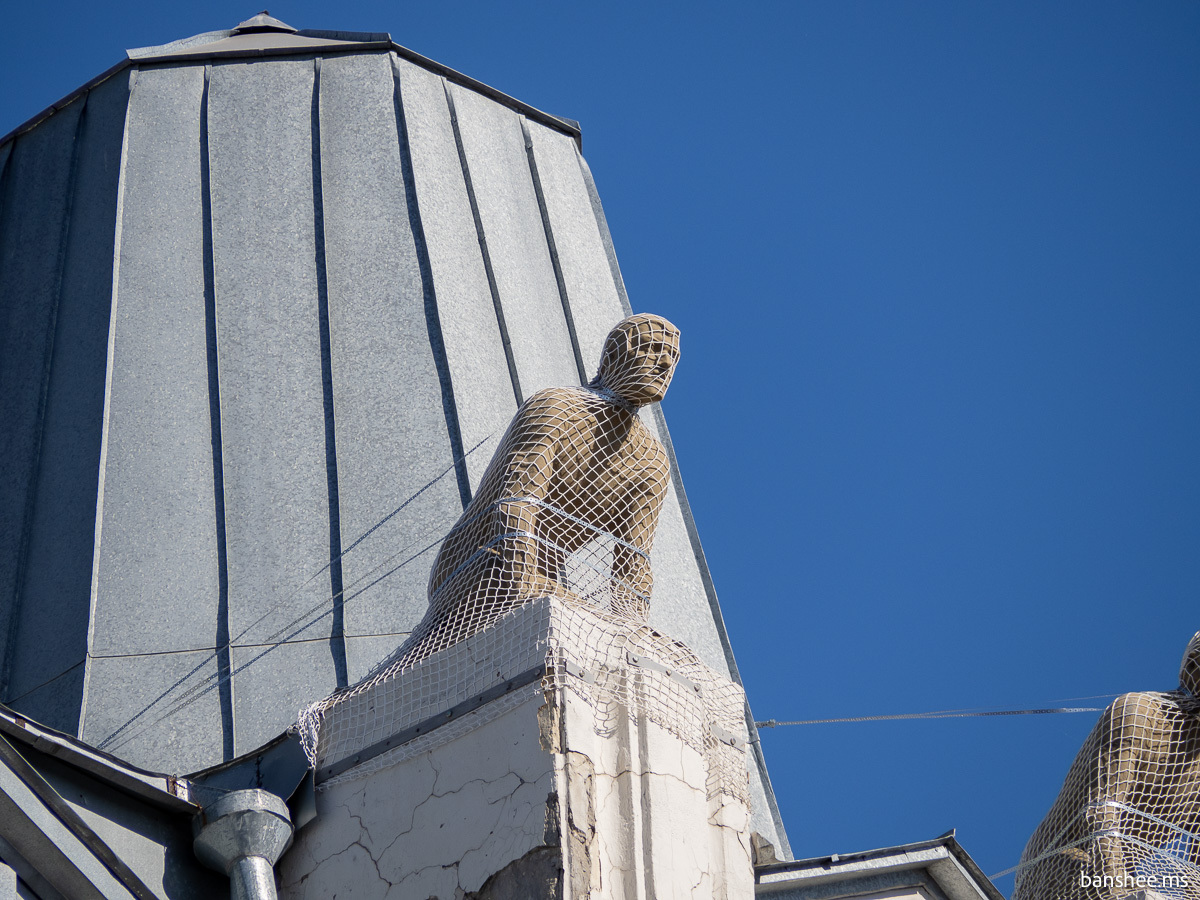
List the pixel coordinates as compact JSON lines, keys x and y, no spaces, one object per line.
{"x":638,"y":815}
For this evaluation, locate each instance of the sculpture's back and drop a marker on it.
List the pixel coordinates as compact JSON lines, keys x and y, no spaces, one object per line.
{"x":1128,"y":815}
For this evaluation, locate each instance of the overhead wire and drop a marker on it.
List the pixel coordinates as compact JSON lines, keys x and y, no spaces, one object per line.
{"x":975,"y":712}
{"x":272,"y":639}
{"x":197,"y":691}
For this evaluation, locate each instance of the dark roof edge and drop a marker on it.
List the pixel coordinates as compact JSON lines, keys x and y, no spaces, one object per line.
{"x":567,"y":126}
{"x":166,"y":791}
{"x":66,"y":101}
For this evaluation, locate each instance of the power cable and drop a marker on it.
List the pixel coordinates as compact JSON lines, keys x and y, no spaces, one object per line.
{"x":950,"y":714}
{"x":280,"y":605}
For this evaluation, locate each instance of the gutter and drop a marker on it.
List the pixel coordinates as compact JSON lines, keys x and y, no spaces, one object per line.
{"x":169,"y":792}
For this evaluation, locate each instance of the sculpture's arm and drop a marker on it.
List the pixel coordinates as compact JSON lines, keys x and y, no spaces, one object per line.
{"x":1130,"y":732}
{"x":533,"y":443}
{"x":633,"y":579}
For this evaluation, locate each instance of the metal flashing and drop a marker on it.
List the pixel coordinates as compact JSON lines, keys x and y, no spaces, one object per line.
{"x":62,"y":811}
{"x":362,"y":37}
{"x":216,"y":44}
{"x":278,"y":766}
{"x":947,"y":864}
{"x":264,"y":21}
{"x":16,"y":861}
{"x":251,"y":44}
{"x":165,"y":791}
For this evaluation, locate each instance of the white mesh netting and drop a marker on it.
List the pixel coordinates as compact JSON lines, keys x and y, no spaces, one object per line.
{"x":1128,"y":816}
{"x":566,"y":509}
{"x":624,"y":671}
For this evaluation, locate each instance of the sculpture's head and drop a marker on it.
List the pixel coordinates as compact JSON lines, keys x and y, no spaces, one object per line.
{"x":639,"y":359}
{"x":1189,"y":671}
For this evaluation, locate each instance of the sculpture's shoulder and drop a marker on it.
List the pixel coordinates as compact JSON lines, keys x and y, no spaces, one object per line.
{"x":648,"y":434}
{"x":550,"y":410}
{"x":559,"y":398}
{"x":1138,"y":712}
{"x":1137,"y":703}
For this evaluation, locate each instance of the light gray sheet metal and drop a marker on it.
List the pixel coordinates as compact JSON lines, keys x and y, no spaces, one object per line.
{"x":478,"y":368}
{"x":52,"y":633}
{"x":498,"y":165}
{"x":60,"y":857}
{"x":605,"y":235}
{"x":390,"y":415}
{"x":156,"y":579}
{"x":268,"y":341}
{"x":363,"y":654}
{"x":679,"y":605}
{"x":184,"y":741}
{"x":286,"y":678}
{"x":55,"y":701}
{"x":587,"y":277}
{"x":155,"y":844}
{"x":34,"y":204}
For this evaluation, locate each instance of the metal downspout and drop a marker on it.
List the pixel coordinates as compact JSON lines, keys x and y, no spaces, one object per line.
{"x":243,"y":834}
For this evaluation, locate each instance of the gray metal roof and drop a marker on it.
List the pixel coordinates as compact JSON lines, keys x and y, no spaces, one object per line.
{"x":212,"y":45}
{"x":268,"y":299}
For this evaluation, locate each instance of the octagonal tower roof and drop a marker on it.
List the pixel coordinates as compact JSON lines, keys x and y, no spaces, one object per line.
{"x":270,"y":297}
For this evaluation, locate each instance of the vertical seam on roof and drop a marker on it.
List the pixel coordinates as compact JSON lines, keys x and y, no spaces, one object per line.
{"x":433,"y":322}
{"x":553,"y":247}
{"x":224,"y":652}
{"x":610,"y":251}
{"x":337,"y":637}
{"x":487,"y":258}
{"x":64,"y":234}
{"x":689,"y":521}
{"x":118,"y":237}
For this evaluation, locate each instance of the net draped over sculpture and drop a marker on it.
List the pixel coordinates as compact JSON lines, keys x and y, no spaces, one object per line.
{"x":566,"y":508}
{"x":568,"y":505}
{"x":1128,"y":815}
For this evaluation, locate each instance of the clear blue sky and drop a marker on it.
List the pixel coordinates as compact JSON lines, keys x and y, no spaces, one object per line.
{"x":937,"y":267}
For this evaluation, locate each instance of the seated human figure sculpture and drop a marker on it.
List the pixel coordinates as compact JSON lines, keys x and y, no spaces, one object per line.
{"x":568,"y":505}
{"x":1128,"y":816}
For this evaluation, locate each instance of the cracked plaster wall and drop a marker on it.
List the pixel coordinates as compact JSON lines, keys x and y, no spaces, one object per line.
{"x":478,"y":815}
{"x":639,"y":820}
{"x":437,"y":824}
{"x":553,"y":790}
